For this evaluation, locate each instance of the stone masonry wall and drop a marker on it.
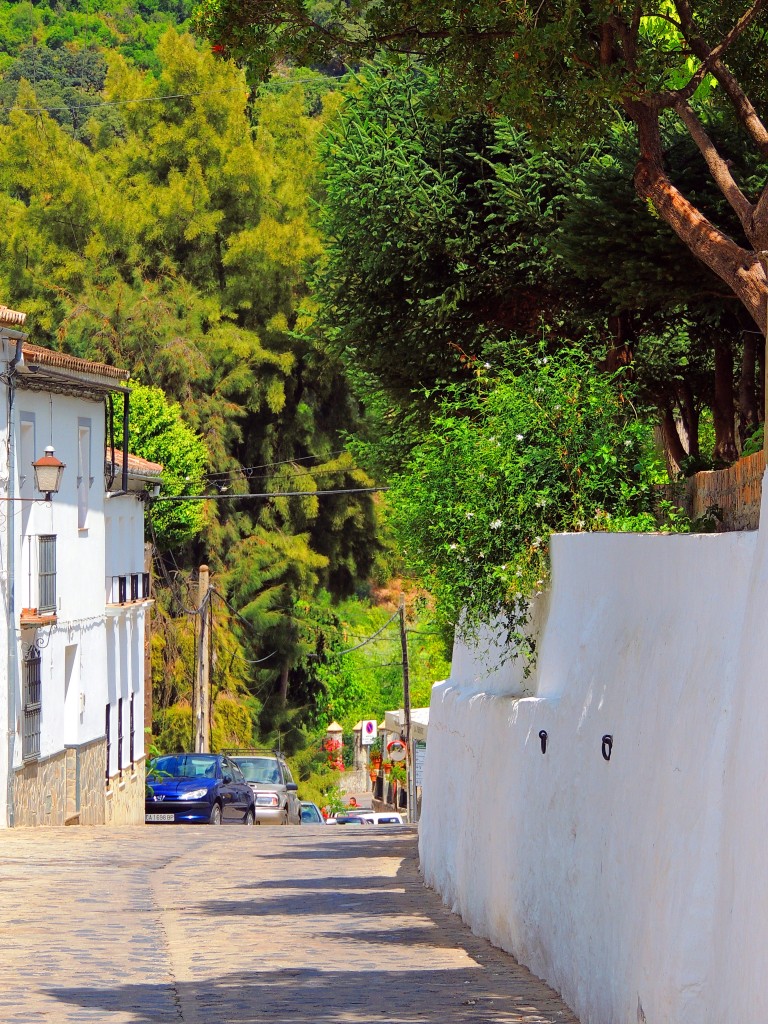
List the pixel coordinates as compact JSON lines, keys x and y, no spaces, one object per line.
{"x":46,"y":791}
{"x":93,"y":757}
{"x":124,"y":804}
{"x":40,"y":792}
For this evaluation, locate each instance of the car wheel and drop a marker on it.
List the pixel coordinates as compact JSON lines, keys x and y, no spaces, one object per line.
{"x":249,"y":818}
{"x":215,"y":818}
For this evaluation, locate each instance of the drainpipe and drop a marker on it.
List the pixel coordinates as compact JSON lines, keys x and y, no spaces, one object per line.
{"x":19,"y":337}
{"x":126,"y":396}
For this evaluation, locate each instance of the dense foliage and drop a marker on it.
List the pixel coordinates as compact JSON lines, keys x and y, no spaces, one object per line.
{"x":564,"y":69}
{"x":497,"y":320}
{"x":509,"y":460}
{"x":173,"y":237}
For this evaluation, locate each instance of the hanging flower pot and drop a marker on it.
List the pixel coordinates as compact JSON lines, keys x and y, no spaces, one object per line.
{"x":387,"y":767}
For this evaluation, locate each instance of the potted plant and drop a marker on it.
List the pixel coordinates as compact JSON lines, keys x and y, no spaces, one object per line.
{"x":374,"y":754}
{"x":398,"y":773}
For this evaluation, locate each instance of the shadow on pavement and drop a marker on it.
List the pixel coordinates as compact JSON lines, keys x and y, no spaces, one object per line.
{"x":307,"y":996}
{"x":388,"y":952}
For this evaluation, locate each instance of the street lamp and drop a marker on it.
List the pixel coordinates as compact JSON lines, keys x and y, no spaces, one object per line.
{"x":48,"y":472}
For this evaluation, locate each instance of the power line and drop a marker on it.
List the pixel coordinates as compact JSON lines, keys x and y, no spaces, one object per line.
{"x":167,"y":97}
{"x":369,"y":640}
{"x":266,"y":494}
{"x":246,"y":470}
{"x":122,"y":102}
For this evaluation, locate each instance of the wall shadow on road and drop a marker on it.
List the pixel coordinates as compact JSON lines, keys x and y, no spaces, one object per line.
{"x":397,"y":956}
{"x":316,"y":884}
{"x":307,"y":996}
{"x":348,"y":845}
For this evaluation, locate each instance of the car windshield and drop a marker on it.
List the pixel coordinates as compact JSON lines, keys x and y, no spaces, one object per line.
{"x":260,"y":769}
{"x":309,"y":813}
{"x":184,"y":766}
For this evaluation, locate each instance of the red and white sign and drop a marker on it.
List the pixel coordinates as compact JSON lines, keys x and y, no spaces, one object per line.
{"x":369,"y":732}
{"x":396,"y":750}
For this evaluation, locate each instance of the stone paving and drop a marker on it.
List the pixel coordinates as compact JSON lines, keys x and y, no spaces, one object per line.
{"x":238,"y":926}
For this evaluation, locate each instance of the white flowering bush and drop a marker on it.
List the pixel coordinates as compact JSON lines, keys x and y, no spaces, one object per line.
{"x":508,"y":461}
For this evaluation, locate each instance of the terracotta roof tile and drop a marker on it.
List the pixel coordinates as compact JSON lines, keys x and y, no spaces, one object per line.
{"x":47,"y":357}
{"x":11,"y":317}
{"x":136,"y":464}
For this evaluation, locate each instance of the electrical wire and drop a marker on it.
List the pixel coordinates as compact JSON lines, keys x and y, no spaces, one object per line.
{"x":246,"y":470}
{"x":265,"y":494}
{"x":166,"y":98}
{"x":370,"y":639}
{"x":122,"y":102}
{"x":169,"y":582}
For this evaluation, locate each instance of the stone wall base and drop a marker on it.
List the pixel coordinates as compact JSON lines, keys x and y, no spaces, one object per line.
{"x":124,"y":801}
{"x":68,"y":789}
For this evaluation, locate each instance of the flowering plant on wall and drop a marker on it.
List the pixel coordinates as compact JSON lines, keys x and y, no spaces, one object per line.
{"x":334,"y":748}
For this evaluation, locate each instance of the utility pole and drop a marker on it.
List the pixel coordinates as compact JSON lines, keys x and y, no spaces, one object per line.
{"x":411,"y":789}
{"x":148,"y":650}
{"x":201,"y":693}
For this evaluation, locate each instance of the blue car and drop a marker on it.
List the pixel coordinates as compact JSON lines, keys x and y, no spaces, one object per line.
{"x":197,"y":789}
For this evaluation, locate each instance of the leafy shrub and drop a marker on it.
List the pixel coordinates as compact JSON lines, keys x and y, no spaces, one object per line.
{"x":510,"y":460}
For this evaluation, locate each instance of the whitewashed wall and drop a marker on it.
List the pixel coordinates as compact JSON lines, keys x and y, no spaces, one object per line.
{"x":637,"y":887}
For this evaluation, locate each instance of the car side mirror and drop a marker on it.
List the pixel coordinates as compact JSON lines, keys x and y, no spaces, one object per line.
{"x":226,"y":778}
{"x":291,"y":787}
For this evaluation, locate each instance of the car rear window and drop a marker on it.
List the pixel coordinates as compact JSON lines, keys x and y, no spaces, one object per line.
{"x":260,"y":769}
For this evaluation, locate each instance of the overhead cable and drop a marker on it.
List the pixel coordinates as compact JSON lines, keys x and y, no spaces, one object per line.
{"x":265,"y":494}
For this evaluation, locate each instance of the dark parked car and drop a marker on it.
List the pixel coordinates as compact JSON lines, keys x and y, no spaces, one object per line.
{"x":202,"y":788}
{"x":277,"y":798}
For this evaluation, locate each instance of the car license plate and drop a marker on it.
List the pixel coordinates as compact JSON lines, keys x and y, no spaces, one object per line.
{"x":158,"y":817}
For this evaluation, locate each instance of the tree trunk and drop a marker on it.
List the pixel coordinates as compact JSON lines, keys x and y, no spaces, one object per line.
{"x":723,"y":412}
{"x":749,"y":415}
{"x":619,"y":349}
{"x":740,"y":268}
{"x":675,"y":452}
{"x":689,"y":415}
{"x":283,"y":692}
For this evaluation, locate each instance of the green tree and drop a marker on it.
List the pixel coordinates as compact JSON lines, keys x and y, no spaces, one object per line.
{"x":565,"y":68}
{"x":158,"y":432}
{"x":519,"y":456}
{"x":437,"y":235}
{"x":176,"y":243}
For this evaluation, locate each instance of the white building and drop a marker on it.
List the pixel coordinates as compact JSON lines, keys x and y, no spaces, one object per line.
{"x":75,"y":594}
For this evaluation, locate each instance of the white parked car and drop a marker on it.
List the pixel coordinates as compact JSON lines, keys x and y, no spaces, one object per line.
{"x":378,"y":817}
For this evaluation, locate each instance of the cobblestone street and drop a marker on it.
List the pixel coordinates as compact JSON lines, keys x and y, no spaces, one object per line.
{"x":231,"y":925}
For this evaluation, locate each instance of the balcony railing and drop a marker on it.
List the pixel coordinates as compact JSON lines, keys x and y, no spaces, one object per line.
{"x":133,"y":586}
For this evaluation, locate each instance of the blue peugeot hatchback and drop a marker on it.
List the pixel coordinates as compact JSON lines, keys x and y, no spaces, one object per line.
{"x":197,"y":788}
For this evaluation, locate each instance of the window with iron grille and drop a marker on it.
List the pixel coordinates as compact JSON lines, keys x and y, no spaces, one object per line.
{"x":145,"y":585}
{"x":122,"y":589}
{"x":133,"y":732}
{"x":134,"y":586}
{"x":30,"y":740}
{"x":46,"y":599}
{"x":120,"y":734}
{"x":108,"y":735}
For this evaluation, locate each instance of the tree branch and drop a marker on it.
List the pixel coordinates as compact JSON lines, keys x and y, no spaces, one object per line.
{"x":710,"y":58}
{"x":719,"y":169}
{"x":738,"y":267}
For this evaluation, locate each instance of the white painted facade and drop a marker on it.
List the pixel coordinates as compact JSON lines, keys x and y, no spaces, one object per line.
{"x":637,"y":887}
{"x":90,"y":647}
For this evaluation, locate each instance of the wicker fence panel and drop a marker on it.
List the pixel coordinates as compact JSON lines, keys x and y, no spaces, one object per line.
{"x":734,"y":492}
